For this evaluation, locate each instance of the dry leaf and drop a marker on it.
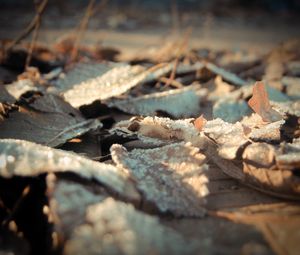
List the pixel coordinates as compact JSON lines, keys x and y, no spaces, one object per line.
{"x":226,"y":75}
{"x":179,"y":103}
{"x":259,"y":102}
{"x":278,"y":222}
{"x":172,"y":177}
{"x":157,"y":131}
{"x":288,"y":157}
{"x":229,"y":137}
{"x":200,"y":122}
{"x":230,"y":110}
{"x":26,"y":159}
{"x":99,"y":82}
{"x":68,"y":201}
{"x":280,"y":183}
{"x":116,"y":228}
{"x":20,"y":87}
{"x":5,"y":97}
{"x":270,"y":133}
{"x":48,"y":120}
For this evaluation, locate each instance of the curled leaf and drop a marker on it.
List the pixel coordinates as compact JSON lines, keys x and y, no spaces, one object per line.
{"x":259,"y":102}
{"x":26,"y":159}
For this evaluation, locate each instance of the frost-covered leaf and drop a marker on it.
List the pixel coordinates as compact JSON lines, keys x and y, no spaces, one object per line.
{"x":226,"y":75}
{"x":172,"y":177}
{"x":230,"y":111}
{"x":48,"y":120}
{"x":288,"y":157}
{"x":116,"y":228}
{"x":292,"y":108}
{"x":26,"y":159}
{"x":68,"y":201}
{"x":229,"y":137}
{"x":89,"y":82}
{"x":179,"y":103}
{"x":260,"y":104}
{"x":270,"y":133}
{"x":292,"y":87}
{"x":20,"y":87}
{"x":158,"y":131}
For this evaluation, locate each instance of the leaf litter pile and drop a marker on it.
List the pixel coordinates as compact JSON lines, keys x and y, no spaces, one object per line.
{"x":173,"y":152}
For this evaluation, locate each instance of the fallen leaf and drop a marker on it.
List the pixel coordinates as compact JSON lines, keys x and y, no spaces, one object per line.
{"x":260,"y":104}
{"x":179,"y":103}
{"x":230,"y":110}
{"x":279,"y":224}
{"x":229,"y":137}
{"x":48,"y":120}
{"x":67,"y":203}
{"x":115,"y":227}
{"x":18,"y":88}
{"x":157,"y":131}
{"x":226,"y":75}
{"x":26,"y":159}
{"x":5,"y":97}
{"x":288,"y":156}
{"x":200,"y":122}
{"x":172,"y":177}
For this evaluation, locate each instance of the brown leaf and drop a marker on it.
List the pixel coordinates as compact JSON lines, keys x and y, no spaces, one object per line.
{"x":278,"y":222}
{"x":259,"y":102}
{"x":200,"y":122}
{"x":280,"y":183}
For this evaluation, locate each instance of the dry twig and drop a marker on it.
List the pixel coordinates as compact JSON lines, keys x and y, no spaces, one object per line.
{"x":90,"y":11}
{"x":30,"y":27}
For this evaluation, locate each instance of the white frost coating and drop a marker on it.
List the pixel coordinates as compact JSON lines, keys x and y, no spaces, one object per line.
{"x":179,"y":103}
{"x":20,"y":87}
{"x":117,"y":228}
{"x":113,"y":83}
{"x":89,"y":82}
{"x":68,"y":201}
{"x":172,"y":177}
{"x":33,"y":159}
{"x":159,"y":131}
{"x":288,"y":157}
{"x":229,"y":137}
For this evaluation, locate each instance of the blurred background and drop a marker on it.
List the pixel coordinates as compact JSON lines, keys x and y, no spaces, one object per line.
{"x":132,"y":25}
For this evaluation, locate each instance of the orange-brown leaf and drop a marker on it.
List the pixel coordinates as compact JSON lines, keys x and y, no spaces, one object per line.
{"x":200,"y":122}
{"x":260,"y":104}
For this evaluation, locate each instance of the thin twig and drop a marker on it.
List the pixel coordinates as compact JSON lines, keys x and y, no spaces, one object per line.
{"x":30,"y":27}
{"x":180,"y":51}
{"x":90,"y":11}
{"x":173,"y":82}
{"x":33,"y":41}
